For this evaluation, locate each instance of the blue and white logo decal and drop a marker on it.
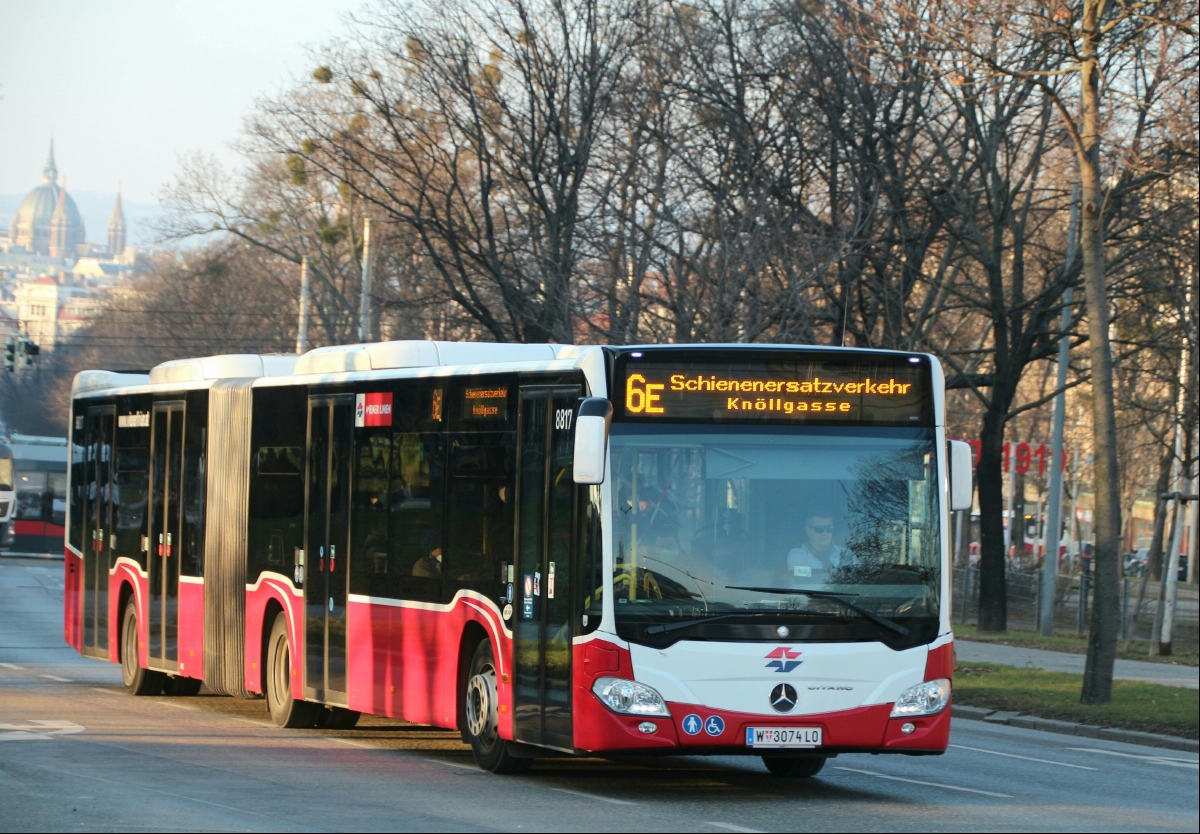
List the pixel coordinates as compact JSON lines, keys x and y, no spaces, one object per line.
{"x":692,"y":724}
{"x":783,"y":659}
{"x":714,"y":726}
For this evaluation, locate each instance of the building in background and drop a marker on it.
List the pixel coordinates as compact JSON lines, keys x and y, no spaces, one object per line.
{"x":51,"y":279}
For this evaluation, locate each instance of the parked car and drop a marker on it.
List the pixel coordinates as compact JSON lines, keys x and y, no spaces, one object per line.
{"x":1137,"y":562}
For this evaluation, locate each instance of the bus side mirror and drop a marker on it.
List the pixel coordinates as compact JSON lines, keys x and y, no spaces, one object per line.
{"x":961,"y":488}
{"x":592,"y":419}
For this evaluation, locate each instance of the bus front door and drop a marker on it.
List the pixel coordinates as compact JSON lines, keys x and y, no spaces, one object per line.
{"x":98,"y":488}
{"x":326,"y":540}
{"x":542,"y":608}
{"x":166,"y":532}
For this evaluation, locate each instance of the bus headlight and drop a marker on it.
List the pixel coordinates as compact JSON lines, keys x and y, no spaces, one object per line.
{"x":629,"y":697}
{"x":923,"y":699}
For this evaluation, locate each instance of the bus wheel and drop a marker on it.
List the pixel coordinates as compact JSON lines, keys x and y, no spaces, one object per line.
{"x":285,"y":710}
{"x":337,"y":718}
{"x":138,"y":681}
{"x":483,"y":724}
{"x":792,"y":767}
{"x":181,"y":687}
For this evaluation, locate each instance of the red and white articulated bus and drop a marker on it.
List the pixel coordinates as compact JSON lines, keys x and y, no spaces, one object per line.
{"x":556,"y":550}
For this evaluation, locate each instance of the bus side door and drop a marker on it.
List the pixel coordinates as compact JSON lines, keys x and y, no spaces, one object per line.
{"x":97,"y":553}
{"x":326,"y":546}
{"x":166,"y":529}
{"x":543,"y":621}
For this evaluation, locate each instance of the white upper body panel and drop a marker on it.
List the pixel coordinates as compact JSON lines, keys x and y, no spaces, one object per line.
{"x":740,"y":676}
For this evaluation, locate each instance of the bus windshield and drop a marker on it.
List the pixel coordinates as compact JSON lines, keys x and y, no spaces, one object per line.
{"x":832,"y":532}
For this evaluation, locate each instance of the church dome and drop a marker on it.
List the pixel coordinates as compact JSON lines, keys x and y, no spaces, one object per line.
{"x":31,"y":224}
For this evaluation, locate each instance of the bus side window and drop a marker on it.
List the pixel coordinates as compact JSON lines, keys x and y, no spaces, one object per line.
{"x":479,"y":511}
{"x":78,"y":478}
{"x":590,"y":575}
{"x":417,"y":516}
{"x":369,"y":568}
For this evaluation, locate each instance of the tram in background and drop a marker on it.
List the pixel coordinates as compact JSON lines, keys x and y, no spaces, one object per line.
{"x":6,"y":490}
{"x":37,"y":504}
{"x":556,"y":550}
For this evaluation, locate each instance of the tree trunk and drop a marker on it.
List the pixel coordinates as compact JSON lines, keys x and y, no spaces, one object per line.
{"x":1102,"y":637}
{"x":993,"y":595}
{"x":1154,"y":560}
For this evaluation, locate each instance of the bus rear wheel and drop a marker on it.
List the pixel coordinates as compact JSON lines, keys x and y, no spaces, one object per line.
{"x":491,"y":752}
{"x":794,"y":767}
{"x":138,"y":681}
{"x":285,"y":710}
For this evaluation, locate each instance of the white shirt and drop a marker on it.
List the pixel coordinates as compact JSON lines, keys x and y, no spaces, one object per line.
{"x":807,"y":568}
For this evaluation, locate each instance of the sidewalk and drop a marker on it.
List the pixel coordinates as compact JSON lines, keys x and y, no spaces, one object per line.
{"x":1166,"y":674}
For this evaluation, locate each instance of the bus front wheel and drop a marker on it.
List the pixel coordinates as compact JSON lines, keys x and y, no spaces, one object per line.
{"x":285,"y":710}
{"x":794,"y":767}
{"x":138,"y":681}
{"x":482,"y":715}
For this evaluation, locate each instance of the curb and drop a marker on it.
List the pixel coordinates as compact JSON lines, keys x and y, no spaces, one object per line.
{"x":1051,"y":725}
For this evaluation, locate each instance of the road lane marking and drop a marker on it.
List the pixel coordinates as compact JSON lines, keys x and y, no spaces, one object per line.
{"x":596,"y":797}
{"x":1162,"y":760}
{"x":11,"y":666}
{"x":56,"y":678}
{"x":177,"y":706}
{"x":38,"y":728}
{"x":1023,"y":758}
{"x":455,"y":764}
{"x":249,"y":721}
{"x":352,"y":743}
{"x":728,"y":826}
{"x":928,"y":784}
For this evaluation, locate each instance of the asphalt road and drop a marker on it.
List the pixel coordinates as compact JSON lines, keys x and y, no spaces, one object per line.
{"x":76,"y":753}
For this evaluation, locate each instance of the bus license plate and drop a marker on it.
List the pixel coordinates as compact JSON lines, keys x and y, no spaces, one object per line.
{"x":783,"y":737}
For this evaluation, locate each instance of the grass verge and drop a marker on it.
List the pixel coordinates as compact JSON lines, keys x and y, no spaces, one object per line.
{"x":1186,"y":656}
{"x":1148,"y":707}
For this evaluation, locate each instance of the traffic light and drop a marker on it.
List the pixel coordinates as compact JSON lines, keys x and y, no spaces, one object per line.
{"x":30,"y":350}
{"x":10,"y":353}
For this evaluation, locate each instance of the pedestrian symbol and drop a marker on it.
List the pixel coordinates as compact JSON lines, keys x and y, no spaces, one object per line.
{"x":692,"y":724}
{"x":714,"y":726}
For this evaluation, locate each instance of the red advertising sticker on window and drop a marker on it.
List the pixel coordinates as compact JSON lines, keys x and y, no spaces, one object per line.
{"x":373,"y":409}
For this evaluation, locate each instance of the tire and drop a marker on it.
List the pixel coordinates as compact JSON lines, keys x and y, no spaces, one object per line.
{"x":794,"y":767}
{"x":285,"y":710}
{"x":181,"y":687}
{"x":492,"y":753}
{"x":138,"y":681}
{"x":337,"y":718}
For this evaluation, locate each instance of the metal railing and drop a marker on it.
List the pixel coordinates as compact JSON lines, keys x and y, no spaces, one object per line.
{"x":1072,"y":605}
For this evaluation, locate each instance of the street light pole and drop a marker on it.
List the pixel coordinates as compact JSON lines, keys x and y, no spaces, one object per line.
{"x":302,"y":327}
{"x":364,"y":316}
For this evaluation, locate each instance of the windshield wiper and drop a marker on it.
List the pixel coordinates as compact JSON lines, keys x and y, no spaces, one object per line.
{"x":663,"y":628}
{"x":838,"y":598}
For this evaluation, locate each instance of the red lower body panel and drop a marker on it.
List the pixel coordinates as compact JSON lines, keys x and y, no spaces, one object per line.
{"x":72,"y":599}
{"x":404,"y":660}
{"x":191,"y":629}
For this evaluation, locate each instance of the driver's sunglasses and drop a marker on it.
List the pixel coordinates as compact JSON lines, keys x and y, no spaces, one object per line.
{"x":821,"y":528}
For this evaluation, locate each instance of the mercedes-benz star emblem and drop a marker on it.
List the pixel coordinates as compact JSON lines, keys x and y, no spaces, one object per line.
{"x":783,"y":698}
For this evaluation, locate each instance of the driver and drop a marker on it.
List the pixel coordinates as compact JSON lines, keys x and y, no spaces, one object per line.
{"x":816,"y":559}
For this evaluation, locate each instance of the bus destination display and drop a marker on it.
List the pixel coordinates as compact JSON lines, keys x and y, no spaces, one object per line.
{"x":808,"y":391}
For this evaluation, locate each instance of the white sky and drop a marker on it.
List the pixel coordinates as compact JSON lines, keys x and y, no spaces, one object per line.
{"x":127,"y":86}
